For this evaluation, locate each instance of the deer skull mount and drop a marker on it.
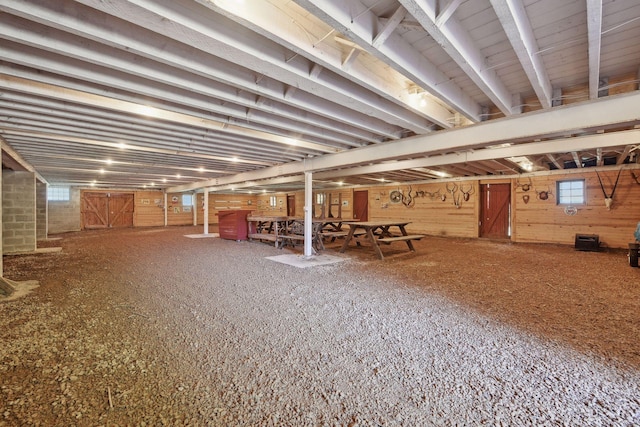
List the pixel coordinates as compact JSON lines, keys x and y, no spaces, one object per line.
{"x":452,"y":191}
{"x":544,"y":195}
{"x":608,"y":198}
{"x":466,"y":194}
{"x":525,"y":187}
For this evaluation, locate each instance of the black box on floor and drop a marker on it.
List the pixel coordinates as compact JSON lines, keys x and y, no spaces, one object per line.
{"x":587,"y":242}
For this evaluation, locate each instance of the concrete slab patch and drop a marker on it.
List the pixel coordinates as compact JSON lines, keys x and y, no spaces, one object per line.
{"x":202,"y":236}
{"x":301,"y":261}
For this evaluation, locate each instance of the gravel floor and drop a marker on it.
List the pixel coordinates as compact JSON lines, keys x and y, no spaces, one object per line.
{"x":148,"y":327}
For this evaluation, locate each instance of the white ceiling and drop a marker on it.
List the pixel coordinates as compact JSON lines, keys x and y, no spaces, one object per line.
{"x":183,"y":94}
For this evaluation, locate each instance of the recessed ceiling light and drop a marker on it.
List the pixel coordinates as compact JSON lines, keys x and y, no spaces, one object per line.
{"x":101,"y":170}
{"x":164,"y":179}
{"x":178,"y":175}
{"x":200,"y":169}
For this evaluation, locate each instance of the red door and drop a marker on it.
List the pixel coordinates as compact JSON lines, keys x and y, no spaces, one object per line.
{"x":361,"y":205}
{"x":495,"y":211}
{"x":291,"y":205}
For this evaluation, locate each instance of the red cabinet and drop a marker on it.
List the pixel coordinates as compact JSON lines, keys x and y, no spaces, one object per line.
{"x":232,"y":225}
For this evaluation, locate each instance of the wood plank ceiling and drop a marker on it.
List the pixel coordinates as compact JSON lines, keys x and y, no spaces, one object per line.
{"x":182,"y":94}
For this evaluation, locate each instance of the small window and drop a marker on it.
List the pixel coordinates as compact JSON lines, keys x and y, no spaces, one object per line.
{"x":571,"y":192}
{"x":273,"y":201}
{"x":187,"y":200}
{"x":58,"y":194}
{"x":320,"y":199}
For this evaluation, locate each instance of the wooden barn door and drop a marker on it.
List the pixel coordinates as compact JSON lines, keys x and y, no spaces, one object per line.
{"x":291,"y":205}
{"x":495,"y":211}
{"x":121,"y":210}
{"x":105,"y":210}
{"x":361,"y":205}
{"x":95,"y":210}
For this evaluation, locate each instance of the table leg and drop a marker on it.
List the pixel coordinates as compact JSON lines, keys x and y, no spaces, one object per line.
{"x":317,"y":238}
{"x":374,"y":243}
{"x":409,"y":243}
{"x":347,"y":239}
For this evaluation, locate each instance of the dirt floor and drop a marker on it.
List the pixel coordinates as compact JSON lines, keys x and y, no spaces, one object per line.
{"x":149,"y":327}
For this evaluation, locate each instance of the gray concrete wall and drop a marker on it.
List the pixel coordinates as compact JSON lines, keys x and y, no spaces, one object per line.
{"x":41,"y":210}
{"x":18,"y":211}
{"x":65,"y":216}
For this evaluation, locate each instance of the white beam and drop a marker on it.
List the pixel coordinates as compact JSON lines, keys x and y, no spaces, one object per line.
{"x":389,"y":27}
{"x":447,"y":12}
{"x":196,"y":42}
{"x":97,"y":101}
{"x":542,"y":123}
{"x":576,"y":159}
{"x":360,"y":25}
{"x":531,"y":149}
{"x":20,"y":160}
{"x":625,"y":153}
{"x":594,"y":31}
{"x":457,"y":42}
{"x":560,"y":146}
{"x":350,"y":59}
{"x":516,"y":25}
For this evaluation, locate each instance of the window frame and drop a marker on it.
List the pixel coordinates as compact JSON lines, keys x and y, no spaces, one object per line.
{"x":58,"y":194}
{"x":560,"y":191}
{"x":190,"y":196}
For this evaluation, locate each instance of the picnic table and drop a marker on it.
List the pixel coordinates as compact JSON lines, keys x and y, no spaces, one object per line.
{"x":379,"y":232}
{"x":282,"y":230}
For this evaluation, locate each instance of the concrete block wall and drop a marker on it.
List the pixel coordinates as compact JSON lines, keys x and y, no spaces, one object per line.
{"x":18,"y":211}
{"x":64,"y":216}
{"x":41,"y":210}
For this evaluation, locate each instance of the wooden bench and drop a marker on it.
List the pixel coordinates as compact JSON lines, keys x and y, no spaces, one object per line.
{"x":291,"y":238}
{"x":341,"y":233}
{"x":389,"y":240}
{"x":263,"y":236}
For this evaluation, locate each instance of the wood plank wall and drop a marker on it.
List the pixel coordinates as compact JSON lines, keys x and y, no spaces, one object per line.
{"x":148,"y":209}
{"x":537,"y":221}
{"x":223,"y":202}
{"x":428,"y":212}
{"x":545,"y":221}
